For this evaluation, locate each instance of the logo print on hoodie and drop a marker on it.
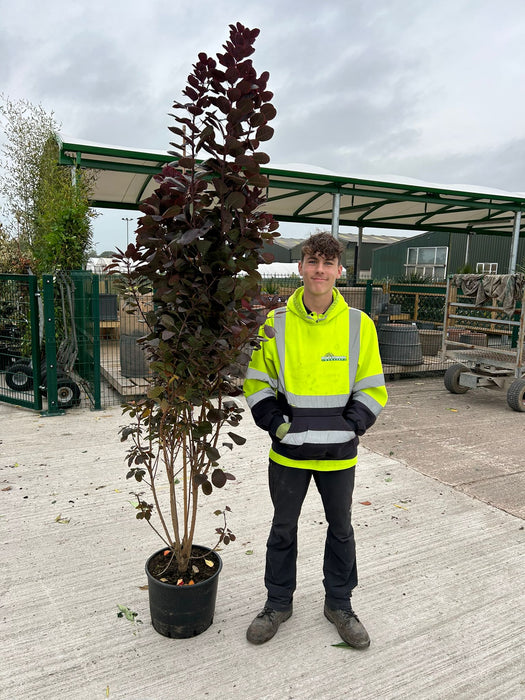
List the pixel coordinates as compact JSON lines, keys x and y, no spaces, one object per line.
{"x":330,"y":357}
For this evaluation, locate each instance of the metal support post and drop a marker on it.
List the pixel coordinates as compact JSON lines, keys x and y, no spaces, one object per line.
{"x":514,"y":243}
{"x":357,"y":267}
{"x":369,"y":297}
{"x":336,"y":203}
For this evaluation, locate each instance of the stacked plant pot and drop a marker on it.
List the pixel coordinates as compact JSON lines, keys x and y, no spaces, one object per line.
{"x":430,"y":341}
{"x":399,"y":344}
{"x":472,"y":338}
{"x":132,"y":326}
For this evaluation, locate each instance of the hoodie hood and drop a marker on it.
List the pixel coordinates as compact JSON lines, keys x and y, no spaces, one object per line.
{"x":296,"y":305}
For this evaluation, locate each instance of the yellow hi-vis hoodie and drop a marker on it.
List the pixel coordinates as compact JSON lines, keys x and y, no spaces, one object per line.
{"x":321,"y":373}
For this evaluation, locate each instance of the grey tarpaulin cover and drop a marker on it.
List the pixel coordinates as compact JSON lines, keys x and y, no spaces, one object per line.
{"x":507,"y":289}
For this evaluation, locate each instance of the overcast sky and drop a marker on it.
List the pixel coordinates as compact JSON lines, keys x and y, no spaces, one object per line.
{"x":429,"y":90}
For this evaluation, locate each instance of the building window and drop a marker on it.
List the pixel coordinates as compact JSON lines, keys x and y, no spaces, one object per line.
{"x":487,"y":268}
{"x":427,"y":262}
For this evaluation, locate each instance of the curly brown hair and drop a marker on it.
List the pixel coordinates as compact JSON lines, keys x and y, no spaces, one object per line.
{"x":323,"y":244}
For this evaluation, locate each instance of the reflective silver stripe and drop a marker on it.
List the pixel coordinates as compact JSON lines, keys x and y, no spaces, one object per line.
{"x":280,"y":335}
{"x":261,"y":377}
{"x":333,"y":401}
{"x":354,"y":345}
{"x":259,"y":396}
{"x":369,"y":402}
{"x":371,"y":382}
{"x":318,"y":437}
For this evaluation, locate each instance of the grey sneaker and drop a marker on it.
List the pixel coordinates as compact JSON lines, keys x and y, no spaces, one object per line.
{"x":350,"y":629}
{"x":266,"y":624}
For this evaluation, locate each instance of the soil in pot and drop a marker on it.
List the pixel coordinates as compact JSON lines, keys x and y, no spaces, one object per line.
{"x":203,"y":565}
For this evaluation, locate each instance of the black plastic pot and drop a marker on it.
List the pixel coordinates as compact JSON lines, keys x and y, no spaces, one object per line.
{"x":183,"y":611}
{"x":132,"y":359}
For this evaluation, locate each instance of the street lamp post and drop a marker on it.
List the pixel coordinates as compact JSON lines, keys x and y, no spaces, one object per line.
{"x":124,"y":218}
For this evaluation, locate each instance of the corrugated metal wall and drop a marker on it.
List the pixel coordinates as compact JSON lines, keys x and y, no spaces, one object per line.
{"x":389,"y":261}
{"x":489,"y":249}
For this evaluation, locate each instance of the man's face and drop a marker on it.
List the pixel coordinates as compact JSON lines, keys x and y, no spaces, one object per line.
{"x":319,"y":274}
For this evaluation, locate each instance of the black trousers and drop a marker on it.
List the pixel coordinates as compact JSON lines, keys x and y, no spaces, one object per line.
{"x":288,"y":488}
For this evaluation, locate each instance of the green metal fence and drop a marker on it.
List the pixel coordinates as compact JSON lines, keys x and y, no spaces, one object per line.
{"x":90,"y":355}
{"x":422,"y":303}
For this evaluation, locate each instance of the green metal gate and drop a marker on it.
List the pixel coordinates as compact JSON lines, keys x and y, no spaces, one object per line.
{"x":72,"y":340}
{"x":50,"y":342}
{"x":86,"y":320}
{"x":20,"y":355}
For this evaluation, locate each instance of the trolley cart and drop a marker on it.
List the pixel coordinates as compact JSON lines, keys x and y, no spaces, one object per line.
{"x":485,"y":343}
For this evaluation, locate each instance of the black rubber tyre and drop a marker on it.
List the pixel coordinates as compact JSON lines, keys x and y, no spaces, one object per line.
{"x":516,"y":395}
{"x":43,"y":379}
{"x":451,"y":379}
{"x":68,"y":393}
{"x":19,"y":377}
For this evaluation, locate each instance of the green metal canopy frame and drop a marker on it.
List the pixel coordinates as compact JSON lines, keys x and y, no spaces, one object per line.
{"x":124,"y":178}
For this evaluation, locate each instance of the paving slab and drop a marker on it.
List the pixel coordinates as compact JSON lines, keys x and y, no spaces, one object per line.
{"x":441,"y":581}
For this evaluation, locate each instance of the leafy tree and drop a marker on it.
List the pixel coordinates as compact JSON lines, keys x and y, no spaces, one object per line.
{"x":199,"y":246}
{"x":63,"y":233}
{"x":12,"y":258}
{"x":45,"y":210}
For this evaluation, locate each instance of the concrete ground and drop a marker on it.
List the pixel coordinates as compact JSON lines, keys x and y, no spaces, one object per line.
{"x":438,"y":514}
{"x":473,"y":442}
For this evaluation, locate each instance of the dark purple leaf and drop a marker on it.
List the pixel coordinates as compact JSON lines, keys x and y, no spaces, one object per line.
{"x":232,"y":74}
{"x":235,"y":200}
{"x":191,"y":93}
{"x":218,"y":478}
{"x":214,"y":415}
{"x":247,"y":162}
{"x":186,"y":162}
{"x":212,"y":453}
{"x":264,"y":133}
{"x":257,"y":119}
{"x":259,"y":180}
{"x":223,"y":104}
{"x":225,"y":59}
{"x":261,"y":158}
{"x":234,"y":94}
{"x":237,"y":439}
{"x":172,"y":211}
{"x":190,"y":236}
{"x":268,"y":111}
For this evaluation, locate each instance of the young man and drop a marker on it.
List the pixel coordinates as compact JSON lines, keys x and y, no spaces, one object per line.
{"x":315,"y":385}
